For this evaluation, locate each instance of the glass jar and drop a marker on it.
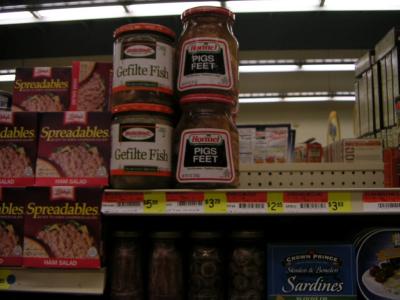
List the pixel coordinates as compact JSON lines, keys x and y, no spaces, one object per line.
{"x":206,"y":267}
{"x":144,"y":63}
{"x":247,"y":266}
{"x":206,"y":143}
{"x":126,"y":267}
{"x":207,"y":52}
{"x":141,"y":147}
{"x":165,"y":275}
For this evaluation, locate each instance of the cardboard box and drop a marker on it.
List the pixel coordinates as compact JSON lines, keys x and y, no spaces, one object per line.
{"x":41,"y":89}
{"x":18,"y":147}
{"x":91,"y":86}
{"x":12,"y":203}
{"x":311,"y":272}
{"x":360,"y":150}
{"x":309,"y":151}
{"x":74,"y":149}
{"x":62,"y":228}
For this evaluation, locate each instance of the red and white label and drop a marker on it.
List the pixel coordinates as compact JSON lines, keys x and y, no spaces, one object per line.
{"x":306,"y":202}
{"x":6,"y":117}
{"x":124,"y":203}
{"x":75,"y":117}
{"x":190,"y":202}
{"x":205,"y":63}
{"x":247,"y":202}
{"x":72,"y":181}
{"x":205,"y":155}
{"x":381,"y":201}
{"x":65,"y":263}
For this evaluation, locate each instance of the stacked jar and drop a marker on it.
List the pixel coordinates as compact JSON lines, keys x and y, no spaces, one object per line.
{"x":142,"y":106}
{"x":206,"y":140}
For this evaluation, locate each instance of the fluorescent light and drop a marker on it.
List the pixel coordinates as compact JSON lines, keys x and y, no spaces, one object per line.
{"x":7,"y":71}
{"x":307,"y":99}
{"x":328,"y":67}
{"x":344,"y":98}
{"x":81,"y":13}
{"x":165,"y":9}
{"x":272,"y":5}
{"x":7,"y":78}
{"x":361,"y":5}
{"x":260,"y":100}
{"x":17,"y":17}
{"x":268,"y":68}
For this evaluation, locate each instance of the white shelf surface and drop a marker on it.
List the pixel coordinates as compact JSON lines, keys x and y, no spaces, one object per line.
{"x":251,"y":201}
{"x":67,"y":281}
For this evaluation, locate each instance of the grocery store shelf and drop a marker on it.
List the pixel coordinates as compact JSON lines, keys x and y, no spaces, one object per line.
{"x":251,"y":201}
{"x":52,"y":280}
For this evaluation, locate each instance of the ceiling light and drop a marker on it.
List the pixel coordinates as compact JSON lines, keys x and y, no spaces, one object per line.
{"x":361,"y":5}
{"x":268,"y":68}
{"x":344,"y":98}
{"x":17,"y":17}
{"x":272,"y":5}
{"x":7,"y":77}
{"x":165,"y":9}
{"x":328,"y":67}
{"x":81,"y":13}
{"x":260,"y":100}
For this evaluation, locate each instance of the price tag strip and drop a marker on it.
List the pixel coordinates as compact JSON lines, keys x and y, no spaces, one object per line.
{"x":122,"y":203}
{"x":215,"y":203}
{"x":5,"y":276}
{"x":381,"y":201}
{"x":246,"y":202}
{"x":340,"y":202}
{"x":185,"y":203}
{"x":306,"y":202}
{"x":275,"y":202}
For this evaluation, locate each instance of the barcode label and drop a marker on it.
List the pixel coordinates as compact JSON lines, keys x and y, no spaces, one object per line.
{"x":306,"y":207}
{"x":122,"y":207}
{"x":312,"y":205}
{"x":382,"y":206}
{"x":246,"y":207}
{"x":388,"y":205}
{"x":251,"y":205}
{"x":190,"y":203}
{"x":124,"y":204}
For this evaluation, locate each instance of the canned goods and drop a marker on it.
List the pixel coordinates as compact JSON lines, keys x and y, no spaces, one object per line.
{"x":5,"y":100}
{"x":206,"y":143}
{"x":126,"y":268}
{"x":208,"y":52}
{"x":141,"y":146}
{"x":143,"y":64}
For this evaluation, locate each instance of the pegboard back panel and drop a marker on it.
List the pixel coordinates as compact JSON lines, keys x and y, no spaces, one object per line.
{"x":312,"y":175}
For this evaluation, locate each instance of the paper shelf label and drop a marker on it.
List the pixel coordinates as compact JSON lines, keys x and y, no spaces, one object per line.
{"x":306,"y":202}
{"x":154,"y":202}
{"x":247,"y":202}
{"x":123,"y":203}
{"x":186,"y":202}
{"x":5,"y":276}
{"x":381,"y":201}
{"x":215,"y":202}
{"x":275,"y":202}
{"x":339,"y":202}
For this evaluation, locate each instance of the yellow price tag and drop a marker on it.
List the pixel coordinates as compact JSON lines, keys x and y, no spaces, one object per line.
{"x":215,"y":203}
{"x":339,"y":202}
{"x":4,"y":285}
{"x":154,"y":202}
{"x":275,"y":202}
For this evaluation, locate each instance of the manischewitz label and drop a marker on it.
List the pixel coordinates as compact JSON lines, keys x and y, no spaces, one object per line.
{"x":311,"y":272}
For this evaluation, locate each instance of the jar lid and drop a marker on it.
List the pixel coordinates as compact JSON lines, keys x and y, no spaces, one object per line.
{"x":166,"y":235}
{"x":207,"y":98}
{"x":142,"y":107}
{"x":144,"y":27}
{"x":205,"y":235}
{"x":126,"y":234}
{"x":207,"y":10}
{"x":247,"y":234}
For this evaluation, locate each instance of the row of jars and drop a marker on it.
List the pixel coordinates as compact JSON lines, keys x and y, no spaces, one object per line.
{"x":148,"y":149}
{"x":206,"y":277}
